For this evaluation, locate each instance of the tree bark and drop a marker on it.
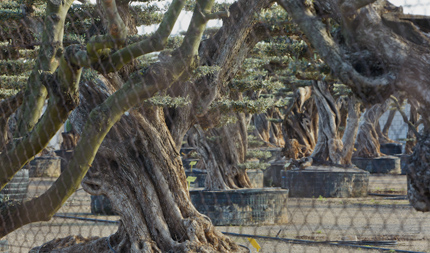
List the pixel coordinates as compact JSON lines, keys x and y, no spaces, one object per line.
{"x":139,"y":169}
{"x":269,"y":132}
{"x":300,"y":126}
{"x":411,"y":139}
{"x":418,"y":177}
{"x":382,"y":51}
{"x":368,"y":144}
{"x":330,"y":148}
{"x":222,"y":150}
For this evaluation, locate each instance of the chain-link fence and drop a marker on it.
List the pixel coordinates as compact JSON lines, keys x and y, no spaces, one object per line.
{"x":202,"y":126}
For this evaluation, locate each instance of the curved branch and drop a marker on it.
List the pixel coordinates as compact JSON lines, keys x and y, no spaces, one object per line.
{"x":154,"y":43}
{"x":330,"y":51}
{"x":63,"y":99}
{"x":142,"y":86}
{"x":48,"y":59}
{"x":117,"y":32}
{"x":405,"y":118}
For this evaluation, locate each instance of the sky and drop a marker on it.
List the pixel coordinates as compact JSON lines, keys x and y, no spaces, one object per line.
{"x":417,"y":7}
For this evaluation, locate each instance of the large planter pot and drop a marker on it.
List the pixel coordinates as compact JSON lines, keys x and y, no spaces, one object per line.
{"x":17,"y":188}
{"x":379,"y":165}
{"x":255,"y":176}
{"x":45,"y":166}
{"x":101,"y":205}
{"x":328,"y":182}
{"x":272,"y":174}
{"x":404,"y":162}
{"x":391,"y":148}
{"x":242,"y":207}
{"x":65,"y":156}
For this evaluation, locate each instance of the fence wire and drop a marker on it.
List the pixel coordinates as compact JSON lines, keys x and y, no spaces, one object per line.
{"x":137,"y":126}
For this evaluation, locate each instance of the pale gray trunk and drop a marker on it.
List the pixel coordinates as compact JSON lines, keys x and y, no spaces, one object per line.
{"x":222,"y":150}
{"x":300,"y":126}
{"x":368,"y":144}
{"x":330,"y":148}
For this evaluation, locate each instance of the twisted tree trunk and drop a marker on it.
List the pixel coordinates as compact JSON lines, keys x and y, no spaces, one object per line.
{"x":300,"y":126}
{"x":411,"y":139}
{"x":139,"y":169}
{"x":269,"y":132}
{"x":368,"y":144}
{"x":330,"y":148}
{"x":222,"y":150}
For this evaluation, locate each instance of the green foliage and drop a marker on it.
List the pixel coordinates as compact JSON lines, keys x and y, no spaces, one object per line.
{"x":254,"y":142}
{"x":191,"y":4}
{"x":253,"y":166}
{"x":5,"y":93}
{"x":12,"y":82}
{"x":206,"y":70}
{"x":259,"y":154}
{"x":290,"y":48}
{"x":246,"y":105}
{"x":15,"y":67}
{"x":168,"y":101}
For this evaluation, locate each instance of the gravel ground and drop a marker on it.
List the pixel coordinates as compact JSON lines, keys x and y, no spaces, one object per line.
{"x":373,"y":218}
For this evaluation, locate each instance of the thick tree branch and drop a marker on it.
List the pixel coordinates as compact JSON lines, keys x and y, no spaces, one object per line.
{"x":329,"y":51}
{"x":63,"y":99}
{"x":117,"y":33}
{"x":139,"y":87}
{"x":48,"y":59}
{"x":412,"y":127}
{"x":155,"y":43}
{"x":350,"y":7}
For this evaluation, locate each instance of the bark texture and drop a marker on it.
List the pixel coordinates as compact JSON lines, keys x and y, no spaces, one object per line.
{"x":418,"y":178}
{"x":380,"y":50}
{"x":267,"y":131}
{"x":368,"y":144}
{"x":138,"y":165}
{"x":222,"y":150}
{"x":330,"y":147}
{"x":300,"y":126}
{"x":139,"y":169}
{"x":411,"y":138}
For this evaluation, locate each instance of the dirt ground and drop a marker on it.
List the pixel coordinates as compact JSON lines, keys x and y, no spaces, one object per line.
{"x":375,"y":219}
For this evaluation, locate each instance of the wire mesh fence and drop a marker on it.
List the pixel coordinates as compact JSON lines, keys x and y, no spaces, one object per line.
{"x":202,"y":126}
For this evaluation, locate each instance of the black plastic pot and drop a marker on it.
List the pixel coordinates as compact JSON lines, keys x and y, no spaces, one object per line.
{"x":17,"y":188}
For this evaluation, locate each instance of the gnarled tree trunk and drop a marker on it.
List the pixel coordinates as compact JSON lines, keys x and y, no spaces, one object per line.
{"x":222,"y":150}
{"x":411,"y":139}
{"x":382,"y":51}
{"x":139,"y":169}
{"x":300,"y":126}
{"x":269,"y":132}
{"x":330,"y":148}
{"x":367,"y":144}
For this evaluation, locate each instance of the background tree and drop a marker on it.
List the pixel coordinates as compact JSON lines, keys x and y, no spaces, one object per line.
{"x":376,"y":50}
{"x":149,"y":147}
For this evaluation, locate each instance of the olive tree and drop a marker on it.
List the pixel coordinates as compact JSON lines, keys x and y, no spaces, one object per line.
{"x":376,"y":50}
